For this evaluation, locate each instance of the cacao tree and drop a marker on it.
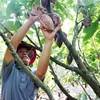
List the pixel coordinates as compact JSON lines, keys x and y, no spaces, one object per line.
{"x":75,"y":54}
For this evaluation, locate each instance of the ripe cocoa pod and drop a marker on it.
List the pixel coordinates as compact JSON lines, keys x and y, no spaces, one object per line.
{"x":47,"y":22}
{"x":56,"y":19}
{"x":69,"y":58}
{"x":44,"y":3}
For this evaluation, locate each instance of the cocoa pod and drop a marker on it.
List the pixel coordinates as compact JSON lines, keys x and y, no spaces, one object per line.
{"x":87,"y":22}
{"x":58,"y":39}
{"x":53,"y":1}
{"x":59,"y":42}
{"x":69,"y":58}
{"x":56,"y":19}
{"x":44,"y":3}
{"x":47,"y":22}
{"x":56,"y":35}
{"x":67,"y":98}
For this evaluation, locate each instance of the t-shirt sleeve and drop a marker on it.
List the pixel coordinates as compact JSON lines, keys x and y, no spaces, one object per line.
{"x":6,"y":69}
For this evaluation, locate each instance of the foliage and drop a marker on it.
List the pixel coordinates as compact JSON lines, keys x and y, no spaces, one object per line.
{"x":75,"y":12}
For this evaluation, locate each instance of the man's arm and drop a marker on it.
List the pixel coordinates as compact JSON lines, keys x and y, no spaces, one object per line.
{"x":17,"y":38}
{"x":45,"y":56}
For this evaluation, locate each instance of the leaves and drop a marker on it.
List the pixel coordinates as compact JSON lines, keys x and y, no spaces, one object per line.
{"x":90,"y":30}
{"x":17,"y":24}
{"x":87,"y":2}
{"x":67,"y":10}
{"x":4,"y":1}
{"x":83,"y":97}
{"x":2,"y":8}
{"x":10,"y":25}
{"x":13,"y":7}
{"x":98,"y":37}
{"x":10,"y":8}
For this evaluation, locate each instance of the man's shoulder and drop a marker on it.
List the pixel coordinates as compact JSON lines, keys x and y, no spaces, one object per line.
{"x":11,"y":63}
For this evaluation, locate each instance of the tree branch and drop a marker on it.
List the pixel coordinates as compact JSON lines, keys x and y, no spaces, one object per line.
{"x":25,"y":69}
{"x":83,"y":71}
{"x":60,"y":85}
{"x":37,"y":33}
{"x":76,"y":29}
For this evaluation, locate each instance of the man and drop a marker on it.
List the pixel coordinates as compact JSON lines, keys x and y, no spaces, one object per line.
{"x":17,"y":85}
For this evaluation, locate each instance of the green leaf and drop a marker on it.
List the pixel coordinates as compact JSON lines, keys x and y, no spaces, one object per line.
{"x":70,"y":2}
{"x":10,"y":25}
{"x":90,"y":30}
{"x":17,"y":24}
{"x":98,"y":37}
{"x":30,"y":32}
{"x":21,"y":0}
{"x":2,"y":17}
{"x":4,"y":1}
{"x":2,"y":8}
{"x":10,"y":8}
{"x":83,"y":97}
{"x":87,"y":2}
{"x":60,"y":6}
{"x":17,"y":6}
{"x":0,"y":14}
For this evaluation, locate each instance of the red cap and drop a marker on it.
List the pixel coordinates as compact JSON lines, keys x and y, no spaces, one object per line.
{"x":32,"y":51}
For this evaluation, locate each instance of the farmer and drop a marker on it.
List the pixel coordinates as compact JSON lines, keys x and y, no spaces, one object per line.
{"x":17,"y":85}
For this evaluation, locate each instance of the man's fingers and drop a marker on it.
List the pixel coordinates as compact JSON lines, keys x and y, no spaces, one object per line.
{"x":58,"y":27}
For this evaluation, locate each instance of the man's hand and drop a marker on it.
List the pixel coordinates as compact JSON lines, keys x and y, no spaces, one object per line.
{"x":49,"y":35}
{"x":36,"y":12}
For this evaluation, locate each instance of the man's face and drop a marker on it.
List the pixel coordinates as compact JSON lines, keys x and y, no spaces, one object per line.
{"x":23,"y":54}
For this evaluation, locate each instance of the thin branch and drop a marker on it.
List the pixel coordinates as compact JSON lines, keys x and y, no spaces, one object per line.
{"x":82,"y":54}
{"x":84,"y":90}
{"x":76,"y":29}
{"x":31,"y":41}
{"x":37,"y":33}
{"x":85,"y":61}
{"x":75,"y":69}
{"x":60,"y":85}
{"x":5,"y":28}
